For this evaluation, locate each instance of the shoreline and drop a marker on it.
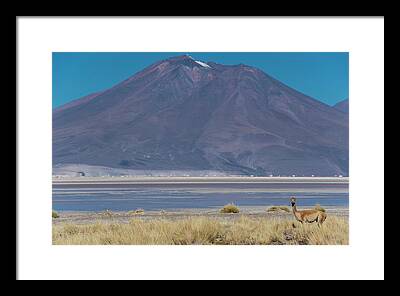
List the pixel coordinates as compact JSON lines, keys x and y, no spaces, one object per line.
{"x":91,"y":217}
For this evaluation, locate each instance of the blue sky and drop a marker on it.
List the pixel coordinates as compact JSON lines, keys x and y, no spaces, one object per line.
{"x":323,"y":76}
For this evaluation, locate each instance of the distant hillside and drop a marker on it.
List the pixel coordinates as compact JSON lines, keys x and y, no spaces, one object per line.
{"x":185,"y":115}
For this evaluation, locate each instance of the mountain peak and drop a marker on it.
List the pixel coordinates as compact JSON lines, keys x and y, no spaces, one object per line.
{"x":184,"y":57}
{"x":181,"y":114}
{"x":187,"y":60}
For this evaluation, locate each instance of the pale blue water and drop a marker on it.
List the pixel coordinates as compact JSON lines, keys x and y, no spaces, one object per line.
{"x":157,"y":199}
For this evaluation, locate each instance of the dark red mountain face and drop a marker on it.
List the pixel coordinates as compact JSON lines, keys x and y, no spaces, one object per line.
{"x":181,"y":114}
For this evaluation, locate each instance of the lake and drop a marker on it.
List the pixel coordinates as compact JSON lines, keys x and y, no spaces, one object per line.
{"x":173,"y":196}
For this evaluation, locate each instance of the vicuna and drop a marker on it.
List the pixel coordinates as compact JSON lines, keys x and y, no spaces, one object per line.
{"x":308,"y":216}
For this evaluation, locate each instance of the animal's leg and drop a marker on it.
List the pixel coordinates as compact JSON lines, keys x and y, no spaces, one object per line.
{"x":317,"y":220}
{"x":321,"y":219}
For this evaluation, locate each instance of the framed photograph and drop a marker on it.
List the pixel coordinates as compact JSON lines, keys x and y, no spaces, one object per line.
{"x":218,"y":146}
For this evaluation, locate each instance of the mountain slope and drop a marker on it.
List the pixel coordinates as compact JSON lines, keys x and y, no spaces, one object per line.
{"x":182,"y":114}
{"x":343,"y":106}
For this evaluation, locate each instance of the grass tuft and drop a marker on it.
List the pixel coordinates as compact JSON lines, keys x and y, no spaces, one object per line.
{"x":55,"y":215}
{"x":319,"y":208}
{"x":230,"y":209}
{"x":136,"y":212}
{"x":278,"y":209}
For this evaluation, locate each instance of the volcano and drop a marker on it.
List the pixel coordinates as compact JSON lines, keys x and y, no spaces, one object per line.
{"x":180,"y":114}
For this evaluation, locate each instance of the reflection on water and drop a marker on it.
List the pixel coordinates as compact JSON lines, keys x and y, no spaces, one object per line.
{"x":158,"y":199}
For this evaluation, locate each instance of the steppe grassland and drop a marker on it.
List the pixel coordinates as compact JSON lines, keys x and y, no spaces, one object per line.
{"x":202,"y":230}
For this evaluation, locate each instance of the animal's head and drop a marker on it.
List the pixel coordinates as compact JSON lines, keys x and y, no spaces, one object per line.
{"x":293,"y":201}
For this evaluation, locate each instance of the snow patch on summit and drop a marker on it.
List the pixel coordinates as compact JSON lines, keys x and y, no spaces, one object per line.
{"x":203,"y":64}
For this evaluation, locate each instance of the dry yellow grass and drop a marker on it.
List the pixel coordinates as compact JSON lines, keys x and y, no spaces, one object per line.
{"x":204,"y":231}
{"x":278,"y":209}
{"x":230,"y":209}
{"x":136,"y":212}
{"x":319,"y":208}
